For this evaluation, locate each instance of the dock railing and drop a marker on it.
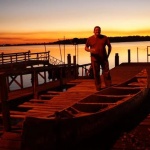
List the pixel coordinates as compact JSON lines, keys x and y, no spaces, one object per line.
{"x":84,"y":71}
{"x":14,"y":57}
{"x":24,"y":57}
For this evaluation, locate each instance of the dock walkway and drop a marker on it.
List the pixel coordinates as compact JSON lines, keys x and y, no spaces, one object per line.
{"x":53,"y":101}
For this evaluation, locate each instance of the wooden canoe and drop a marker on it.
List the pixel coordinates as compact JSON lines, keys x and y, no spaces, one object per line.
{"x":87,"y":117}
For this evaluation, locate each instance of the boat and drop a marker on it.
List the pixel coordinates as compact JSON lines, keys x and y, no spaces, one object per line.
{"x":87,"y":117}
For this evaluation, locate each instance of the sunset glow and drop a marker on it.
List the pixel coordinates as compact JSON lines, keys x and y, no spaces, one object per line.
{"x":39,"y":21}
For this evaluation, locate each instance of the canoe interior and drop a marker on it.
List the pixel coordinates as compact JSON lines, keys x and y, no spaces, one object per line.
{"x":102,"y":100}
{"x":107,"y":98}
{"x":137,"y":81}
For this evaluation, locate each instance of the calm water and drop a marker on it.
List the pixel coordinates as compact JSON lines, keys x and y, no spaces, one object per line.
{"x":138,"y":53}
{"x":83,"y":56}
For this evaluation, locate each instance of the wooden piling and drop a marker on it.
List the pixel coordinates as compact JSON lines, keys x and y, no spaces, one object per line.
{"x":129,"y":56}
{"x":4,"y":103}
{"x":116,"y":59}
{"x":69,"y":59}
{"x":74,"y":60}
{"x":35,"y":84}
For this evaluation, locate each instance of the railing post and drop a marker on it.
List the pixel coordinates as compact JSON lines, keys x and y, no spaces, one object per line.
{"x":37,"y":56}
{"x":16,"y":57}
{"x":11,"y":59}
{"x":82,"y":70}
{"x":4,"y":103}
{"x":25,"y":56}
{"x":49,"y":56}
{"x":28,"y":54}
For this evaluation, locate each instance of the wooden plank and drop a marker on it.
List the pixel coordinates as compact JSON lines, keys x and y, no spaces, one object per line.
{"x":17,"y":112}
{"x":47,"y":96}
{"x":54,"y":92}
{"x":43,"y":104}
{"x":15,"y":116}
{"x":39,"y":106}
{"x":39,"y":101}
{"x":47,"y":108}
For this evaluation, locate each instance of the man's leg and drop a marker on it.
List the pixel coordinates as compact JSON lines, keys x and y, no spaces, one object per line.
{"x":106,"y":73}
{"x":96,"y":72}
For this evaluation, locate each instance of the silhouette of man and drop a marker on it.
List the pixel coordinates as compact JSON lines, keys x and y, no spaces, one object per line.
{"x":96,"y":45}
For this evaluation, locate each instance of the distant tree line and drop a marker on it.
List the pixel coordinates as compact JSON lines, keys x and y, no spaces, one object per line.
{"x":129,"y":38}
{"x":83,"y":40}
{"x":112,"y":40}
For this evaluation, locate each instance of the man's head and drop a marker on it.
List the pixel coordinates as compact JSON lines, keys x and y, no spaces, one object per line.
{"x":97,"y":30}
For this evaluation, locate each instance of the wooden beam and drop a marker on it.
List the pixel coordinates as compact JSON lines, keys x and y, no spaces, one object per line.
{"x":4,"y":102}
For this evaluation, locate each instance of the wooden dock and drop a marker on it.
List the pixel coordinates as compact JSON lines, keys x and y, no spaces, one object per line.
{"x":53,"y":101}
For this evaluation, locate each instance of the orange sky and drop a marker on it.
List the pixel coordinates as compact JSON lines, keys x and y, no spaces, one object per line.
{"x":49,"y":20}
{"x":44,"y":37}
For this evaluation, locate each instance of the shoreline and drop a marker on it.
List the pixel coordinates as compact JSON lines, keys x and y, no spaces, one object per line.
{"x":76,"y":41}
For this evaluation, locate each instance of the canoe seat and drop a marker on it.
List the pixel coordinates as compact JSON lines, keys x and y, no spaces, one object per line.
{"x":91,"y":107}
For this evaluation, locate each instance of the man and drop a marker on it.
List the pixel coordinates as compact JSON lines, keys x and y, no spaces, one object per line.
{"x":96,"y":45}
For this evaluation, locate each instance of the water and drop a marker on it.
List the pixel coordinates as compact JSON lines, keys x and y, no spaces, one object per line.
{"x":138,"y":53}
{"x":83,"y":57}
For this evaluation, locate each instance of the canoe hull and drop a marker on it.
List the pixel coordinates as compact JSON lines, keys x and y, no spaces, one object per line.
{"x":86,"y":118}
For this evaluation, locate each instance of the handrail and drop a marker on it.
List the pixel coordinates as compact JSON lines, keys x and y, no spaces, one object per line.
{"x":22,"y":57}
{"x":14,"y":57}
{"x":55,"y":61}
{"x":84,"y":70}
{"x":28,"y":56}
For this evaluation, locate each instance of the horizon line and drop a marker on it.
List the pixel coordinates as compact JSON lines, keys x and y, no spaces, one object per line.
{"x":66,"y":40}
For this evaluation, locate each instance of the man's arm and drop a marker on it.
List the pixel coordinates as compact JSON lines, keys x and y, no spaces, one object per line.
{"x":109,"y":50}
